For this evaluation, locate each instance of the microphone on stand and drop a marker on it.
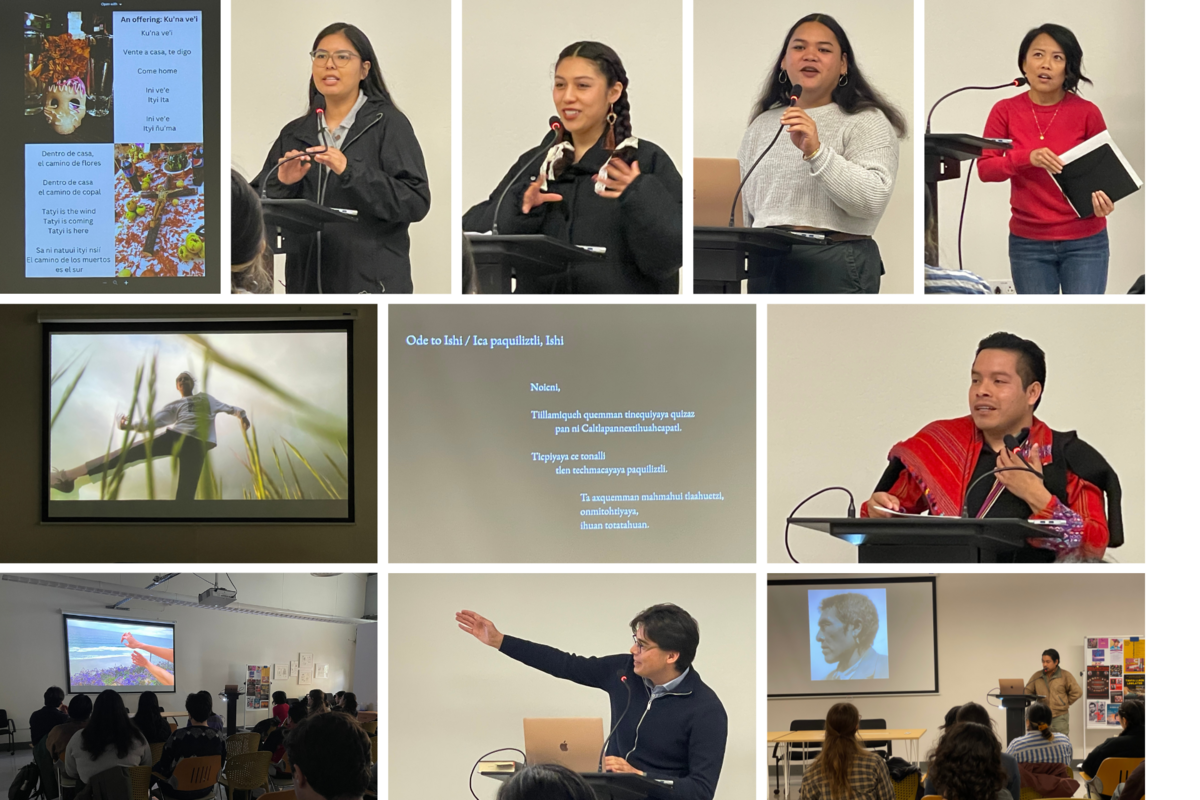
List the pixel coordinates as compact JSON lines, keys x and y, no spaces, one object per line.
{"x":1015,"y":82}
{"x":628,"y":699}
{"x":793,"y":98}
{"x":556,"y":126}
{"x":1012,"y":443}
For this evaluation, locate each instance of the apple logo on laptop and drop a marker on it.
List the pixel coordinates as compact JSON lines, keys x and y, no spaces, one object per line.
{"x":563,"y":746}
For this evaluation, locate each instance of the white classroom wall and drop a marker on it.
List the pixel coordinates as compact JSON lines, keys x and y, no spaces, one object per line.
{"x":508,"y":55}
{"x":470,"y":699}
{"x":733,"y":49}
{"x":271,"y":70}
{"x":208,"y":642}
{"x":847,"y":382}
{"x":996,"y":626}
{"x":959,"y":51}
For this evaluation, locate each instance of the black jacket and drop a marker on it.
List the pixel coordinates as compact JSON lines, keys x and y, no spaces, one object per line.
{"x":384,"y":181}
{"x":1130,"y":743}
{"x":642,"y":229}
{"x":680,"y":736}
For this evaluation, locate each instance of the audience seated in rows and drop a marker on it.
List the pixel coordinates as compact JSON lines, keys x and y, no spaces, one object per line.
{"x":276,"y":740}
{"x":331,"y":758}
{"x":966,"y":764}
{"x":149,"y":719}
{"x":844,"y":768}
{"x":79,"y":711}
{"x":1040,"y":744}
{"x":197,"y":738}
{"x":110,"y":739}
{"x":973,"y":712}
{"x":545,"y":781}
{"x":51,"y":714}
{"x":1129,"y":743}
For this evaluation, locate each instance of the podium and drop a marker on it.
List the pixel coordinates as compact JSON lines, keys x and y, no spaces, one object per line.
{"x":724,"y":257}
{"x":944,"y":154}
{"x":290,"y":219}
{"x":942,"y":540}
{"x":1014,"y":712}
{"x":611,"y":785}
{"x":526,"y":257}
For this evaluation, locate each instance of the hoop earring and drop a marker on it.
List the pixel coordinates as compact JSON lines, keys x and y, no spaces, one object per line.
{"x":612,"y":117}
{"x":845,"y":79}
{"x":610,"y":136}
{"x":782,"y":76}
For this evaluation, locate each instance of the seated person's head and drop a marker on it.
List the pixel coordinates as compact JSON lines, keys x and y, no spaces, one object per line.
{"x":973,"y":712}
{"x":53,"y":697}
{"x":349,"y":702}
{"x":1133,"y":714}
{"x":337,"y":698}
{"x":250,"y":257}
{"x":278,"y":698}
{"x":966,"y":764}
{"x":330,"y":756}
{"x":546,"y":782}
{"x":1038,"y":718}
{"x":199,"y":707}
{"x":297,"y":712}
{"x":80,"y":708}
{"x":316,"y":700}
{"x":109,"y":725}
{"x":951,"y":718}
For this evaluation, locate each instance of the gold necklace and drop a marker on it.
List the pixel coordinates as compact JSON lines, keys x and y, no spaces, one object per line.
{"x":1042,"y":133}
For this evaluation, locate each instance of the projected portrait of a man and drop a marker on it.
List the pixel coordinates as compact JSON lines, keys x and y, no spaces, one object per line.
{"x":845,"y":634}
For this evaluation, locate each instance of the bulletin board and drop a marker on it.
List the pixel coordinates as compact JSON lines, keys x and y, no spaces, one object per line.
{"x":1115,"y":671}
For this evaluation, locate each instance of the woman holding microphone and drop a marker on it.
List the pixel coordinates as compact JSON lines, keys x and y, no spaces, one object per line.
{"x":1049,"y":246}
{"x":597,"y":185}
{"x":833,"y":174}
{"x":367,"y":159}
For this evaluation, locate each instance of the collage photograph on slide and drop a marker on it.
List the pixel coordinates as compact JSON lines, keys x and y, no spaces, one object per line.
{"x":850,"y":640}
{"x":159,"y":195}
{"x":68,"y":59}
{"x":123,"y":655}
{"x":198,"y":412}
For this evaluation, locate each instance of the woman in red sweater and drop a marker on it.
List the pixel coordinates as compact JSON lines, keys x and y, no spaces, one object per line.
{"x":1049,"y":246}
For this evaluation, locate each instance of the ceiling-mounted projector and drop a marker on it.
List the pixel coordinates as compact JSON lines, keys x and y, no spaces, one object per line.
{"x":217,"y":597}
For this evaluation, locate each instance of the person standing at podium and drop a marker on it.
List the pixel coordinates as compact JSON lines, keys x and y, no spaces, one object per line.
{"x":669,"y":725}
{"x":1049,"y":246}
{"x":1060,"y":689}
{"x":835,"y":169}
{"x":367,"y":160}
{"x":596,"y":186}
{"x":1049,"y":475}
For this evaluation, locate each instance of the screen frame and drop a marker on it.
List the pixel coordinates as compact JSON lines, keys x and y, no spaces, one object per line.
{"x":67,"y":650}
{"x":119,"y":326}
{"x":930,"y":579}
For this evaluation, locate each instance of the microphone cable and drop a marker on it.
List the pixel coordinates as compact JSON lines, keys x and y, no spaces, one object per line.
{"x":793,"y":96}
{"x":471,"y":776}
{"x":787,"y":525}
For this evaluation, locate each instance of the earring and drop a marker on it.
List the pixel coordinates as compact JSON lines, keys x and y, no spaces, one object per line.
{"x":612,"y":117}
{"x":610,"y":136}
{"x":845,"y":79}
{"x":783,"y":76}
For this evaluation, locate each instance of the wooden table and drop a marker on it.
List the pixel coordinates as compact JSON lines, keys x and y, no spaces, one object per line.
{"x":910,"y":736}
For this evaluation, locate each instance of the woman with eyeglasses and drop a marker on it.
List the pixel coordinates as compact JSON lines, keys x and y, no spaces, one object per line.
{"x":355,"y":150}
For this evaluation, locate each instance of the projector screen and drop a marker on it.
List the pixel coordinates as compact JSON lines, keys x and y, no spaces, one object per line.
{"x":851,"y":636}
{"x":261,"y":432}
{"x":125,"y":655}
{"x":109,"y":155}
{"x":572,"y":433}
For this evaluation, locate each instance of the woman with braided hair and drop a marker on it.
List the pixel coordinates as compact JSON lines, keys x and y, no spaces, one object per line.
{"x":834,"y":172}
{"x":844,"y":769}
{"x":597,"y":186}
{"x":1041,"y":744}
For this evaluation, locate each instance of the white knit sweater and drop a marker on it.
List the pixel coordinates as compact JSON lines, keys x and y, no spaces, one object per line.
{"x":845,"y":187}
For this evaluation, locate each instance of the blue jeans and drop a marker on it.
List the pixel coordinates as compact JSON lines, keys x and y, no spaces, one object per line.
{"x":1078,"y":266}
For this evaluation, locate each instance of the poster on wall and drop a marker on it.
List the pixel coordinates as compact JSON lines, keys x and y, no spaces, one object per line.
{"x":1135,"y":685}
{"x":1115,"y":673}
{"x":1097,"y":682}
{"x":1114,"y":716}
{"x":321,"y":671}
{"x":258,"y":686}
{"x":294,"y":667}
{"x":304,"y":677}
{"x":306,"y":661}
{"x":281,"y":672}
{"x":1096,"y":712}
{"x":1135,"y":655}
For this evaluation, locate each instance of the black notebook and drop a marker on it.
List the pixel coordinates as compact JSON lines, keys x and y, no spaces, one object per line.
{"x":1096,"y":165}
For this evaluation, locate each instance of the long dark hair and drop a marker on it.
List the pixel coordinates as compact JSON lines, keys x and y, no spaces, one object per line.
{"x":857,"y":95}
{"x":110,"y":725}
{"x":373,"y":85}
{"x":149,"y":720}
{"x":1074,"y":55}
{"x":967,"y":765}
{"x":608,"y":63}
{"x":1040,"y":717}
{"x":840,"y":749}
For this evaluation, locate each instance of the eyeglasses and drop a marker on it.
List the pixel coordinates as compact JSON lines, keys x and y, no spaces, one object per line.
{"x":341,"y":57}
{"x":641,"y":646}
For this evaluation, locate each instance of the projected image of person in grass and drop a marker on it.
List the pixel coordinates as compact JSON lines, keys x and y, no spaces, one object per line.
{"x":133,"y":435}
{"x":189,"y":433}
{"x":848,"y":630}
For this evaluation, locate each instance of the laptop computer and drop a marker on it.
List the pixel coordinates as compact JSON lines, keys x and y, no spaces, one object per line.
{"x":715,"y":182}
{"x":1012,"y":686}
{"x":573,"y":742}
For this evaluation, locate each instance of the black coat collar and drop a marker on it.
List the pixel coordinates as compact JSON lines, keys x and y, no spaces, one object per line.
{"x":304,"y":129}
